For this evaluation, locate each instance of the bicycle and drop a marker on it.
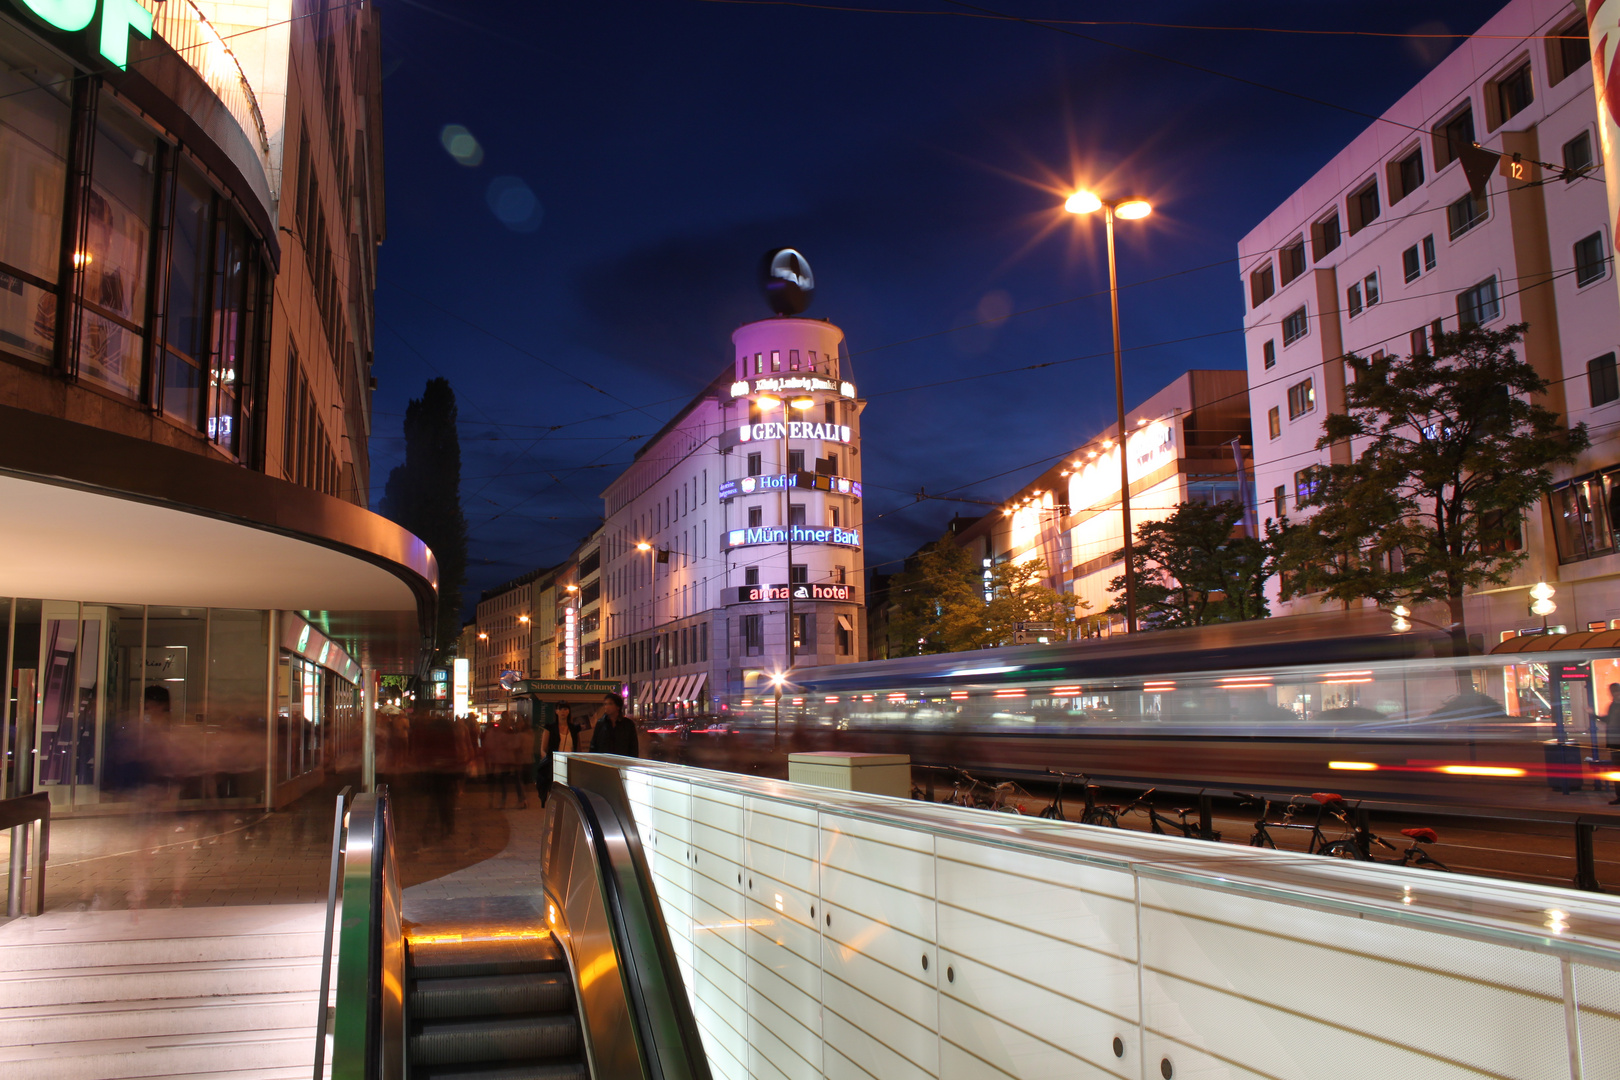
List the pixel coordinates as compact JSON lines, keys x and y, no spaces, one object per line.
{"x":1327,"y":804}
{"x":1005,"y":795}
{"x":969,"y":790}
{"x":1359,"y":848}
{"x":1093,"y":814}
{"x":1158,"y":821}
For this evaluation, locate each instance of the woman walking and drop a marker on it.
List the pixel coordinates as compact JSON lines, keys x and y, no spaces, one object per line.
{"x":559,"y":735}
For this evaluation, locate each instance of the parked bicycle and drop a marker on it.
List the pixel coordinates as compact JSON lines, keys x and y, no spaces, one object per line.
{"x":1160,"y":824}
{"x":1092,"y":813}
{"x":1328,"y":806}
{"x":1360,"y":845}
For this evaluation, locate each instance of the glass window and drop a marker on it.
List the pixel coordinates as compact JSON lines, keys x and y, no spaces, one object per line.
{"x":753,"y":627}
{"x":1279,"y":500}
{"x":1301,"y":399}
{"x":1480,"y":304}
{"x":1325,"y":236}
{"x":1304,"y":485}
{"x":1420,"y":342}
{"x":1292,"y":260}
{"x":1571,"y":50}
{"x":1453,"y":136}
{"x":1262,"y":284}
{"x":1582,"y":520}
{"x":751,"y":575}
{"x":755,"y":466}
{"x":1601,"y":380}
{"x":795,"y":513}
{"x":1514,"y":92}
{"x":1364,"y":207}
{"x":798,"y":574}
{"x":113,"y":264}
{"x":1274,"y":422}
{"x":1428,"y":252}
{"x":1464,"y":214}
{"x":1268,"y":352}
{"x":1578,"y":157}
{"x":34,"y":117}
{"x":1406,"y":176}
{"x":1369,"y":286}
{"x":795,"y":461}
{"x":1411,"y":266}
{"x":1352,"y":299}
{"x":1294,"y":325}
{"x":1590,"y":261}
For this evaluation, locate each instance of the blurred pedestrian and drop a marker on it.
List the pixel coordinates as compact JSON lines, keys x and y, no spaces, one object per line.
{"x":1611,"y":721}
{"x":615,"y":733}
{"x":558,"y":736}
{"x":438,"y":766}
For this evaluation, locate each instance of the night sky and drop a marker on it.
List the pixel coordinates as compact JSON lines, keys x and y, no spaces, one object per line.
{"x":581,"y":265}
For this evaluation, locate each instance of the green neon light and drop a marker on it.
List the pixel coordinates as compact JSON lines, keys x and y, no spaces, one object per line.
{"x":118,"y":18}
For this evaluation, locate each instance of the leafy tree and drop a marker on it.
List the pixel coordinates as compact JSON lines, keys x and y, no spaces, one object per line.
{"x":1451,"y":454}
{"x":931,"y":594}
{"x":1019,"y":595}
{"x":1193,"y":568}
{"x":424,"y":496}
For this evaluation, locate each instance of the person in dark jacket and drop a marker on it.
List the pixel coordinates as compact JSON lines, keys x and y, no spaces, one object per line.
{"x":615,"y":733}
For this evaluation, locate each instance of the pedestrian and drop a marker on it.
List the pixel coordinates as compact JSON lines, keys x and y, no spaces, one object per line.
{"x":615,"y":733}
{"x":1611,"y":720}
{"x":559,"y":736}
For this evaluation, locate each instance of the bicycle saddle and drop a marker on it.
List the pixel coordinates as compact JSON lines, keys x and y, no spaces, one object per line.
{"x":1325,"y":797}
{"x":1422,"y":836}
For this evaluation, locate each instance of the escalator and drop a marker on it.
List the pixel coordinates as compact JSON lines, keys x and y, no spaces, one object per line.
{"x":580,"y":984}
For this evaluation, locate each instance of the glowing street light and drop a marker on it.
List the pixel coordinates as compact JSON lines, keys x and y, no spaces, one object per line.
{"x":802,"y":403}
{"x":642,"y":545}
{"x":1088,"y":202}
{"x":766,"y":402}
{"x":1541,"y":601}
{"x":1402,"y":622}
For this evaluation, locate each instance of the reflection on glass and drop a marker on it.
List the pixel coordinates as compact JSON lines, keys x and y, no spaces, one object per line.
{"x":33,"y":166}
{"x":114,"y":260}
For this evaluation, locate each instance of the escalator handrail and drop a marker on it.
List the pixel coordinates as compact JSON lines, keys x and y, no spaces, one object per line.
{"x":368,"y":1041}
{"x":340,"y":827}
{"x":668,"y":1039}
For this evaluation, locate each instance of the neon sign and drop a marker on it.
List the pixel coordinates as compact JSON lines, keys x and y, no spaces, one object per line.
{"x":793,"y":429}
{"x":570,"y":645}
{"x":789,"y":384}
{"x":816,"y":590}
{"x":118,"y":18}
{"x":748,"y":485}
{"x":798,"y":534}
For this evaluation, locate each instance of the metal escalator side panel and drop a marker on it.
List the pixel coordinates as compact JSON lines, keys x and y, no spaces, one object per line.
{"x":579,"y":916}
{"x":390,"y":954}
{"x":350,"y":1026}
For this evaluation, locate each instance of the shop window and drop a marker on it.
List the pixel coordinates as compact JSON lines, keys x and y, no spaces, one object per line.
{"x":1591,"y":262}
{"x":1480,"y":304}
{"x":113,"y":264}
{"x":1325,"y":236}
{"x":34,"y":123}
{"x":1602,"y":380}
{"x":1581,"y":517}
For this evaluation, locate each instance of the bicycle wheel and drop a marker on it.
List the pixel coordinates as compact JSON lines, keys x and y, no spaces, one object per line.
{"x":1101,"y":818}
{"x":1264,"y":840}
{"x":1051,"y":813}
{"x":1344,"y":849}
{"x":1428,"y":862}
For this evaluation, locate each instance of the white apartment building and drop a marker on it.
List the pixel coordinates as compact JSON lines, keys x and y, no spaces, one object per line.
{"x":1386,"y":243}
{"x":746,"y":504}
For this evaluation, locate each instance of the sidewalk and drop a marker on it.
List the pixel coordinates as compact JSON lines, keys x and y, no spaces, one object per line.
{"x":220,"y":858}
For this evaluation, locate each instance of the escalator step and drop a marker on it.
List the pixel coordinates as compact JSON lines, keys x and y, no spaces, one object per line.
{"x":490,"y":995}
{"x":571,"y":1071}
{"x":471,"y":1041}
{"x":501,"y":957}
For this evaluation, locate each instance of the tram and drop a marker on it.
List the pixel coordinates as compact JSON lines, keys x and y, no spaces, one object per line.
{"x":1316,"y":702}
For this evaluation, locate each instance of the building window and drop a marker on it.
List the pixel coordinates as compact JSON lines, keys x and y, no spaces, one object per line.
{"x":1514,"y":93}
{"x":1274,"y":422}
{"x":755,"y":465}
{"x":795,"y":513}
{"x":1464,"y":214}
{"x":1420,"y":342}
{"x":1590,"y":263}
{"x":1569,"y":50}
{"x":1301,"y":399}
{"x":1428,"y":253}
{"x":801,"y":630}
{"x":1279,"y":501}
{"x":846,"y":635}
{"x":753,"y":628}
{"x":1581,"y":520}
{"x":1291,"y":260}
{"x":1411,"y":264}
{"x":759,"y":363}
{"x":798,"y":574}
{"x":1452,"y":136}
{"x":1325,"y":236}
{"x":751,"y":575}
{"x":1480,"y":304}
{"x":830,"y":411}
{"x":756,"y":517}
{"x":1268,"y":353}
{"x":795,"y":461}
{"x":1295,"y":325}
{"x":832,"y":516}
{"x":793,"y":359}
{"x":1405,"y":176}
{"x":832,"y":465}
{"x":776,"y":360}
{"x":841,"y":574}
{"x":1364,"y":206}
{"x":1352,"y":299}
{"x":702,"y":642}
{"x":1601,"y":380}
{"x":1578,"y":158}
{"x":1369,"y":288}
{"x":1305,"y":481}
{"x":1261,"y":285}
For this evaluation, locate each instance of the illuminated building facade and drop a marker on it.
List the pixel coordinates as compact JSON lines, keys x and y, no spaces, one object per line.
{"x":746,"y":504}
{"x":1388,"y":243}
{"x":1189,"y":442}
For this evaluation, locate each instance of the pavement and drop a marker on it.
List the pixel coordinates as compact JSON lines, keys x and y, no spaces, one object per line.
{"x":167,"y":859}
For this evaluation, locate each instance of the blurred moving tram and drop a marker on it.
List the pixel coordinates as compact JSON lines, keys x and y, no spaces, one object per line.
{"x":1296,"y":702}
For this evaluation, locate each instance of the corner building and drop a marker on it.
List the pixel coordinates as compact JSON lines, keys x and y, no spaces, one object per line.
{"x":1386,"y":244}
{"x":739,"y":519}
{"x":191,"y":585}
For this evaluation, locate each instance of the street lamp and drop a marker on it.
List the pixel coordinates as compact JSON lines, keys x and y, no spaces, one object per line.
{"x":1087,"y":202}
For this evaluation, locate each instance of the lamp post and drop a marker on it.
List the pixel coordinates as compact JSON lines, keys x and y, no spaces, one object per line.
{"x":1086,"y":202}
{"x":647,"y":549}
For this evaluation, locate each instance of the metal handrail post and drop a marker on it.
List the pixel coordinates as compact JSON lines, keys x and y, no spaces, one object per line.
{"x":322,"y":1015}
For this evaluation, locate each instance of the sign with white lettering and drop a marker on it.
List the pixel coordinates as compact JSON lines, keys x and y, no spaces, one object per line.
{"x":749,"y":485}
{"x":793,"y":429}
{"x":804,"y":590}
{"x":798,"y":534}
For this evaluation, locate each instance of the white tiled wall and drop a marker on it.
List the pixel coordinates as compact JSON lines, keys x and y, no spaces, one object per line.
{"x":820,"y":939}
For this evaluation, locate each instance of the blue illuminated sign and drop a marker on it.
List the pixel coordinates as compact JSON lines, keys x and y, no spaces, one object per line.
{"x":748,"y":485}
{"x":798,"y":534}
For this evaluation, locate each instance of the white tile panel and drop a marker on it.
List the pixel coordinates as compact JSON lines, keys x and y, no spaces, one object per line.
{"x":984,"y":1041}
{"x":867,"y":1052}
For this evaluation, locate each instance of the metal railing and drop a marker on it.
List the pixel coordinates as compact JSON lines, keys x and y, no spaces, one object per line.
{"x":28,"y":814}
{"x":340,"y":826}
{"x":368,"y":1028}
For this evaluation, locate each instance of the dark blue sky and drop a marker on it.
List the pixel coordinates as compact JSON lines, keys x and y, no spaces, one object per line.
{"x":918,"y":161}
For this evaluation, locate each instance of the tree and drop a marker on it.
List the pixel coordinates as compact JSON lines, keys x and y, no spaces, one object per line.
{"x":1451,"y":455}
{"x":930,"y":596}
{"x":1195,"y":567}
{"x":424,"y":496}
{"x":1019,"y":597}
